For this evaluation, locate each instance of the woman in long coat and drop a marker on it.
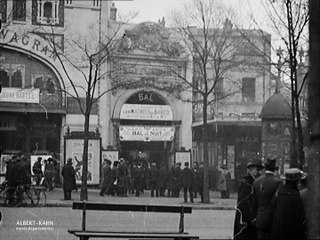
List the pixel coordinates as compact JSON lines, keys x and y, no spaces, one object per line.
{"x":69,"y":179}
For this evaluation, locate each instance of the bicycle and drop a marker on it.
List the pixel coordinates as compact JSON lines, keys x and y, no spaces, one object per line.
{"x":23,"y":194}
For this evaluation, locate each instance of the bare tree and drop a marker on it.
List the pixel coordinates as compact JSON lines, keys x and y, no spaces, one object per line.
{"x":83,"y":61}
{"x":215,"y":48}
{"x":289,"y":19}
{"x":314,"y":123}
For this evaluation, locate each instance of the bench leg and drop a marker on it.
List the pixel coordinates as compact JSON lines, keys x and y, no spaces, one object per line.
{"x":84,"y":238}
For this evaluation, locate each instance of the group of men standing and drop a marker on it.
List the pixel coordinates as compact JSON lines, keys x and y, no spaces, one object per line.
{"x":270,"y":206}
{"x":124,"y":178}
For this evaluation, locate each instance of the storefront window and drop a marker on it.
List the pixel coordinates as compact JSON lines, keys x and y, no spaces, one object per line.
{"x":12,"y":75}
{"x":4,"y":76}
{"x":17,"y":79}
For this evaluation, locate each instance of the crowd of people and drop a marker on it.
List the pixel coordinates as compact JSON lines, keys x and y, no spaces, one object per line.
{"x":18,"y":173}
{"x":123,"y":179}
{"x":270,"y":206}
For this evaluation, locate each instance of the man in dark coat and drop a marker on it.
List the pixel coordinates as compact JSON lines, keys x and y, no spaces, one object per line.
{"x":48,"y":173}
{"x":196,"y":179}
{"x":107,"y":177}
{"x":265,"y":188}
{"x":69,"y":179}
{"x":122,"y":178}
{"x":36,"y":168}
{"x":153,"y":179}
{"x":137,"y":178}
{"x":162,"y":180}
{"x":288,"y":210}
{"x":176,"y":180}
{"x":187,"y":182}
{"x":245,"y":219}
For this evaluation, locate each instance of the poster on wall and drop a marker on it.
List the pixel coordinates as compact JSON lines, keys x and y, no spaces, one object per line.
{"x":183,"y":157}
{"x":111,"y":155}
{"x":74,"y":150}
{"x":33,"y":159}
{"x":230,"y":160}
{"x":3,"y":168}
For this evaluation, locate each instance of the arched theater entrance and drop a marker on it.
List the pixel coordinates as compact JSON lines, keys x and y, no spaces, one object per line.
{"x":147,"y":129}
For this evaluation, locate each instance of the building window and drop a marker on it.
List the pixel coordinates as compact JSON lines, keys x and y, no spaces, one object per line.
{"x":248,"y":89}
{"x":44,"y":84}
{"x":68,"y":2}
{"x":96,"y":3}
{"x":4,"y":77}
{"x":12,"y":75}
{"x":19,"y":10}
{"x":48,"y":12}
{"x":3,"y":11}
{"x":218,"y":89}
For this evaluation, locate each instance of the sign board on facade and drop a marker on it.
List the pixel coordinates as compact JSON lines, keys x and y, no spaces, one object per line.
{"x":111,"y":155}
{"x":183,"y":157}
{"x":146,"y":112}
{"x":146,"y":133}
{"x":29,"y":95}
{"x":74,"y":150}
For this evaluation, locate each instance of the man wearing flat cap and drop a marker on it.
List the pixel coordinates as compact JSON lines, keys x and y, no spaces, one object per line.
{"x":265,"y":188}
{"x":288,"y":210}
{"x":244,"y":224}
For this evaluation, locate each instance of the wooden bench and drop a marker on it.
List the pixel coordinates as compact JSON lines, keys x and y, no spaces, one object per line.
{"x":85,"y":234}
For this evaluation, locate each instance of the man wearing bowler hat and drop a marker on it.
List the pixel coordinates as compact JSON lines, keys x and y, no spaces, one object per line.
{"x":265,"y":188}
{"x":245,"y":219}
{"x":288,"y":210}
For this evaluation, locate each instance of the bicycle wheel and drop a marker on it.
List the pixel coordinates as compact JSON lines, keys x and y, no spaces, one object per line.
{"x":41,"y":197}
{"x":29,"y":197}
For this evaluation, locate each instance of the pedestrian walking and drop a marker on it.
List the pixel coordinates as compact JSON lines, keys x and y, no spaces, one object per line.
{"x":153,"y":179}
{"x":37,"y":170}
{"x":48,"y":173}
{"x":69,"y":179}
{"x":106,"y":177}
{"x":170,"y":182}
{"x":137,"y":178}
{"x":222,"y":182}
{"x":177,"y":180}
{"x":187,"y":182}
{"x":162,"y":180}
{"x":122,"y":178}
{"x":288,"y":211}
{"x":265,"y":188}
{"x":246,"y":213}
{"x":196,"y":179}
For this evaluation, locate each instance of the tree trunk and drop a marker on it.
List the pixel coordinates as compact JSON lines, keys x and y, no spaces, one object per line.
{"x":313,"y":208}
{"x":84,"y":186}
{"x":206,"y":192}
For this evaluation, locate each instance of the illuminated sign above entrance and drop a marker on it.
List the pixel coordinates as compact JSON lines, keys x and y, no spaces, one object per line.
{"x":146,"y":112}
{"x":146,"y":133}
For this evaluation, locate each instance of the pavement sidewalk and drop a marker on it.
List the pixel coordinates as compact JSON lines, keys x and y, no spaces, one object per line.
{"x":55,"y":199}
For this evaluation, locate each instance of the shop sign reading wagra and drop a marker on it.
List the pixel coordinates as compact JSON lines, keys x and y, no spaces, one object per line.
{"x":29,"y":41}
{"x":146,"y":133}
{"x":146,"y":112}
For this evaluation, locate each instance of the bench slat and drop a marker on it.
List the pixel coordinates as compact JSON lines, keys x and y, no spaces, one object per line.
{"x":131,"y":207}
{"x":132,"y":235}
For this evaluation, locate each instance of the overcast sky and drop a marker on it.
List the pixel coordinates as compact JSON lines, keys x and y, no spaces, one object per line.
{"x":152,"y":10}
